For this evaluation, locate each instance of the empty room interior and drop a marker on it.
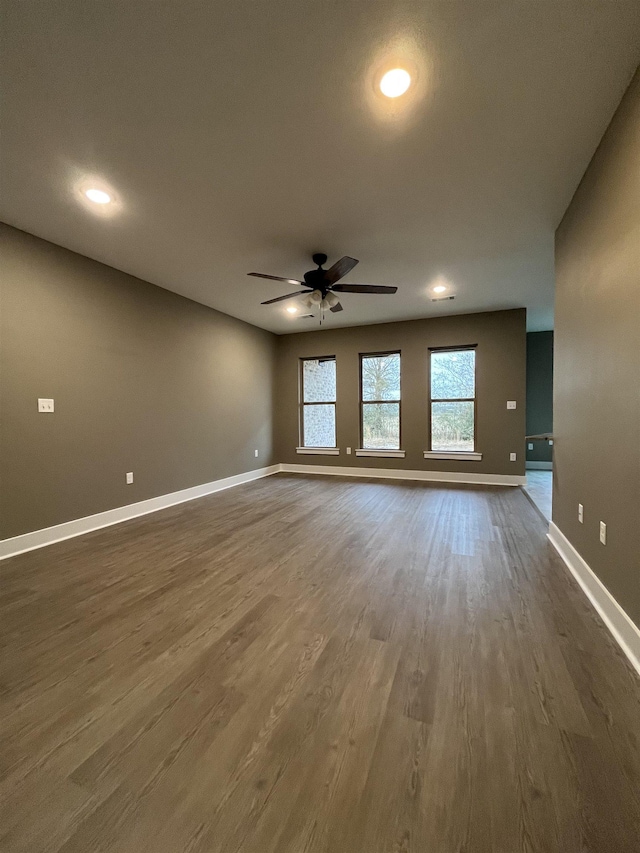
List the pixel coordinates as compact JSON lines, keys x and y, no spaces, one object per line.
{"x":320,"y":426}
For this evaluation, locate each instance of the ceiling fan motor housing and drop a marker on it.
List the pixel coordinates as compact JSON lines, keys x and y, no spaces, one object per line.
{"x":315,"y":279}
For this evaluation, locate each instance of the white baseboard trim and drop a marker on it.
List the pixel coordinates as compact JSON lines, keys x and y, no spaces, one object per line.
{"x":624,"y":630}
{"x":68,"y":529}
{"x":399,"y":474}
{"x":539,"y":466}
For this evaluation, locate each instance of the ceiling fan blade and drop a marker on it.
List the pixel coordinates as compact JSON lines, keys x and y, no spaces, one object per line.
{"x":363,"y":288}
{"x":337,"y":307}
{"x":339,"y":269}
{"x":286,"y":296}
{"x":276,"y":278}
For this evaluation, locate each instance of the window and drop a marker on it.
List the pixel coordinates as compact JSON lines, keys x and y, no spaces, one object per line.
{"x":318,"y":416}
{"x":453,"y":400}
{"x":380,"y":401}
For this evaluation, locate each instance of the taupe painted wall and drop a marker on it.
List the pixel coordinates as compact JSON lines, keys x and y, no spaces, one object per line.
{"x":143,"y":380}
{"x":500,"y":368}
{"x":597,"y":360}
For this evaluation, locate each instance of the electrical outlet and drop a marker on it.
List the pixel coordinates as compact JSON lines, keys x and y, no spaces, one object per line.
{"x":45,"y":405}
{"x":511,"y":404}
{"x":129,"y":477}
{"x":348,"y":450}
{"x":255,"y":452}
{"x":530,"y":445}
{"x":580,"y":513}
{"x":513,"y":457}
{"x":603,"y":533}
{"x":550,"y":442}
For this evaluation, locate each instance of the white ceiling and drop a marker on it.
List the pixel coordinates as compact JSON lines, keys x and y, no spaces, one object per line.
{"x":245,"y":135}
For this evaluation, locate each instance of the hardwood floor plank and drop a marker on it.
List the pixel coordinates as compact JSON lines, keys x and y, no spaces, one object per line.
{"x":317,"y":665}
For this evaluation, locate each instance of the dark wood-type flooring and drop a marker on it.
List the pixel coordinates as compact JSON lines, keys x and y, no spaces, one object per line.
{"x":315,"y":664}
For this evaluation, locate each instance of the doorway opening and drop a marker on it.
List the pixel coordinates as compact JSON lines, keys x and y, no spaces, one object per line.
{"x":539,"y":447}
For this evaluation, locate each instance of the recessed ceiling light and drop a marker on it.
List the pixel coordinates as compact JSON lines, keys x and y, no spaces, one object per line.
{"x":97,"y":196}
{"x":439,"y":289}
{"x":292,"y":309}
{"x":395,"y":83}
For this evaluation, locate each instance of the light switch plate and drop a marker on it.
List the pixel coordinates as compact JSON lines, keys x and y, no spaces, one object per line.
{"x":550,"y":442}
{"x":511,"y":404}
{"x":129,"y":477}
{"x":513,"y":457}
{"x":45,"y":405}
{"x":580,"y":513}
{"x":603,"y":533}
{"x":255,"y":452}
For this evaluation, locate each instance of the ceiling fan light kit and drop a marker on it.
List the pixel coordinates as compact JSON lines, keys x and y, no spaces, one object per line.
{"x":321,"y":286}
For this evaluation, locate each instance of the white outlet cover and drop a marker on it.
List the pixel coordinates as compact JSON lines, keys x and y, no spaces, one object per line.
{"x":511,"y":404}
{"x":129,"y":477}
{"x":513,"y":457}
{"x":530,"y":445}
{"x":603,"y":533}
{"x":348,"y":450}
{"x":45,"y":404}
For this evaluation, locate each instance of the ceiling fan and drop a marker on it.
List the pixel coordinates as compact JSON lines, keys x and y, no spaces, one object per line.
{"x":322,"y":285}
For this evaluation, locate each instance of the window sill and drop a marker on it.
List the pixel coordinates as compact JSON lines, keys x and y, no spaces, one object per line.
{"x":463,"y":455}
{"x":393,"y":454}
{"x":319,"y":451}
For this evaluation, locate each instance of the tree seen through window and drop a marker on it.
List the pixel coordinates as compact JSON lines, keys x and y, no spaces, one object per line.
{"x":453,"y":391}
{"x":380,"y":383}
